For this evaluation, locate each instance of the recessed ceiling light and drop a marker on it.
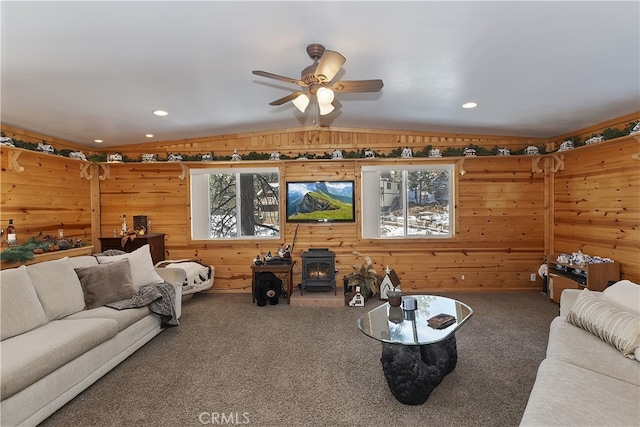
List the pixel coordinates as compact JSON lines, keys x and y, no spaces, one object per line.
{"x":97,"y":140}
{"x":470,"y":105}
{"x":149,"y":135}
{"x":160,"y":113}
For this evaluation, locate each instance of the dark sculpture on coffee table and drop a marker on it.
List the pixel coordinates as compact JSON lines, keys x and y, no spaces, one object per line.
{"x":413,"y":371}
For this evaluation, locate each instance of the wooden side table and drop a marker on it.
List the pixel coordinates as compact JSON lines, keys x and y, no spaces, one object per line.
{"x":283,"y":271}
{"x":154,"y":240}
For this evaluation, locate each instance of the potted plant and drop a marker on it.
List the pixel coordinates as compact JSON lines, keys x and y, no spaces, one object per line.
{"x":364,"y":275}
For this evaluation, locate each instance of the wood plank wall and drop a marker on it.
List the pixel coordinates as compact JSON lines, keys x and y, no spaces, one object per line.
{"x":47,"y":193}
{"x":318,"y":141}
{"x":504,"y":209}
{"x":499,"y":244}
{"x":596,"y":203}
{"x":495,"y":192}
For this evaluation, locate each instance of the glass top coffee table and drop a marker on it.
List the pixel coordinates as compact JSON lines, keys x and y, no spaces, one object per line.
{"x":415,"y":356}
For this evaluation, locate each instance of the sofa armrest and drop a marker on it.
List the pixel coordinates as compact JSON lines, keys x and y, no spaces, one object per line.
{"x":175,"y":276}
{"x":568,"y":299}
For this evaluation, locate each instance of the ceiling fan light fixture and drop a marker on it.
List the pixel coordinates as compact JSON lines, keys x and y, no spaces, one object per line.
{"x":326,"y":109}
{"x":325,"y":97}
{"x":301,"y":102}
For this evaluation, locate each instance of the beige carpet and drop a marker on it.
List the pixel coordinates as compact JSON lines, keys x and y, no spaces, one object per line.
{"x":311,"y":366}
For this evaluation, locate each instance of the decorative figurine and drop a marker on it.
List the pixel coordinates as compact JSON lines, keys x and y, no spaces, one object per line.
{"x":45,"y":148}
{"x":337,"y":154}
{"x":206,"y":157}
{"x":469,"y":152}
{"x":531,"y":150}
{"x":149,"y":158}
{"x":235,"y":156}
{"x":275,"y":155}
{"x":434,"y":152}
{"x":174,"y":158}
{"x":406,"y":153}
{"x":358,"y":299}
{"x":6,"y":141}
{"x":369,"y":154}
{"x":114,"y":158}
{"x":594,"y":139}
{"x":77,"y":155}
{"x":504,"y":152}
{"x":390,"y":282}
{"x":566,"y":145}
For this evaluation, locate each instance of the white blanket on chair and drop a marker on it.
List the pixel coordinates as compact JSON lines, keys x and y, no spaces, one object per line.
{"x":196,"y":273}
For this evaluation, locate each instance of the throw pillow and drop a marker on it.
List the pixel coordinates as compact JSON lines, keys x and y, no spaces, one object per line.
{"x":142,"y":270}
{"x":624,"y":294}
{"x":106,"y":283}
{"x":618,"y":328}
{"x":20,"y":308}
{"x":58,"y":287}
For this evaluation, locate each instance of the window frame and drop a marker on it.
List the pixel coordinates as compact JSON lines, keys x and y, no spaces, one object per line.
{"x":370,"y":204}
{"x":197,"y":223}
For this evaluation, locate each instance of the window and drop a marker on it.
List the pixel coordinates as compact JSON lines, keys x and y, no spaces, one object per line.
{"x":407,"y":202}
{"x":235,"y":203}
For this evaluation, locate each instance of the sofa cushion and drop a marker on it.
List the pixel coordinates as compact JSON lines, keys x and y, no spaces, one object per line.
{"x":625,"y":295}
{"x":579,"y":347}
{"x":142,"y":270}
{"x":617,"y":327}
{"x":20,"y":308}
{"x":28,"y":357}
{"x":105,"y":283}
{"x":568,"y":395}
{"x":125,"y":318}
{"x":58,"y":287}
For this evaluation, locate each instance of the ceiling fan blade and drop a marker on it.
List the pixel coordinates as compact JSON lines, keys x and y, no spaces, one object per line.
{"x":277,"y":77}
{"x":329,"y":65}
{"x":287,"y":98}
{"x":357,"y":86}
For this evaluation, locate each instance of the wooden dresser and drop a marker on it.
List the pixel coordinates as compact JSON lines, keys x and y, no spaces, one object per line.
{"x":155,"y":241}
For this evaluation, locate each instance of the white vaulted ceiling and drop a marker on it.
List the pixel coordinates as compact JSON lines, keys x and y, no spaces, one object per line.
{"x":80,"y":71}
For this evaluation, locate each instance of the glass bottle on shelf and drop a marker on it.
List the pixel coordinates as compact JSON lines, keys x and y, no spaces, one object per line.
{"x":123,"y":231}
{"x":11,"y":234}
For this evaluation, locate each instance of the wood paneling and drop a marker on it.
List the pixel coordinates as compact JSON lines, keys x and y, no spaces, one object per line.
{"x":314,"y":141}
{"x":498,"y":250}
{"x":47,"y":193}
{"x":597,"y":204}
{"x":508,"y":216}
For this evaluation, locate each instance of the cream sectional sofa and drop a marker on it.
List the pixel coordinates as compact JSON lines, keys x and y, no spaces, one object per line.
{"x":52,"y":346}
{"x":584,"y":380}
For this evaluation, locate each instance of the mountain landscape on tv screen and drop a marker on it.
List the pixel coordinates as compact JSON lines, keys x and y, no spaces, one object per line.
{"x":320,"y":201}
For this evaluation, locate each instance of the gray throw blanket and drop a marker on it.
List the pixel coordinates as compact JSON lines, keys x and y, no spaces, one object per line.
{"x":159,"y":297}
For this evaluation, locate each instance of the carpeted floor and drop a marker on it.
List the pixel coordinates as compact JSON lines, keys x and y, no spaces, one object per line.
{"x":231,"y":362}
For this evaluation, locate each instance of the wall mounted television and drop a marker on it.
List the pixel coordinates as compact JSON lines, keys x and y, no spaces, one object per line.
{"x":320,"y":201}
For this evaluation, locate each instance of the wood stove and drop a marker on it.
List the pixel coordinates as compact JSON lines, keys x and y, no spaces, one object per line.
{"x":318,"y":270}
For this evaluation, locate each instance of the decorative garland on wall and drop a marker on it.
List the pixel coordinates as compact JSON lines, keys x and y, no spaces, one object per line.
{"x":609,"y":133}
{"x":34,"y":246}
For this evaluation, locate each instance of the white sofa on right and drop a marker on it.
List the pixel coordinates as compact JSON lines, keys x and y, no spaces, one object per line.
{"x":585,"y":380}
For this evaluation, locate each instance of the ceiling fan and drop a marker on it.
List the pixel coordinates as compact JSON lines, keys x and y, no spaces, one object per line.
{"x":316,"y":81}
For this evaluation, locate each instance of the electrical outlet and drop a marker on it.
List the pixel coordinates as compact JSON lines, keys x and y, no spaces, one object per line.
{"x":462,"y":277}
{"x":533,"y":277}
